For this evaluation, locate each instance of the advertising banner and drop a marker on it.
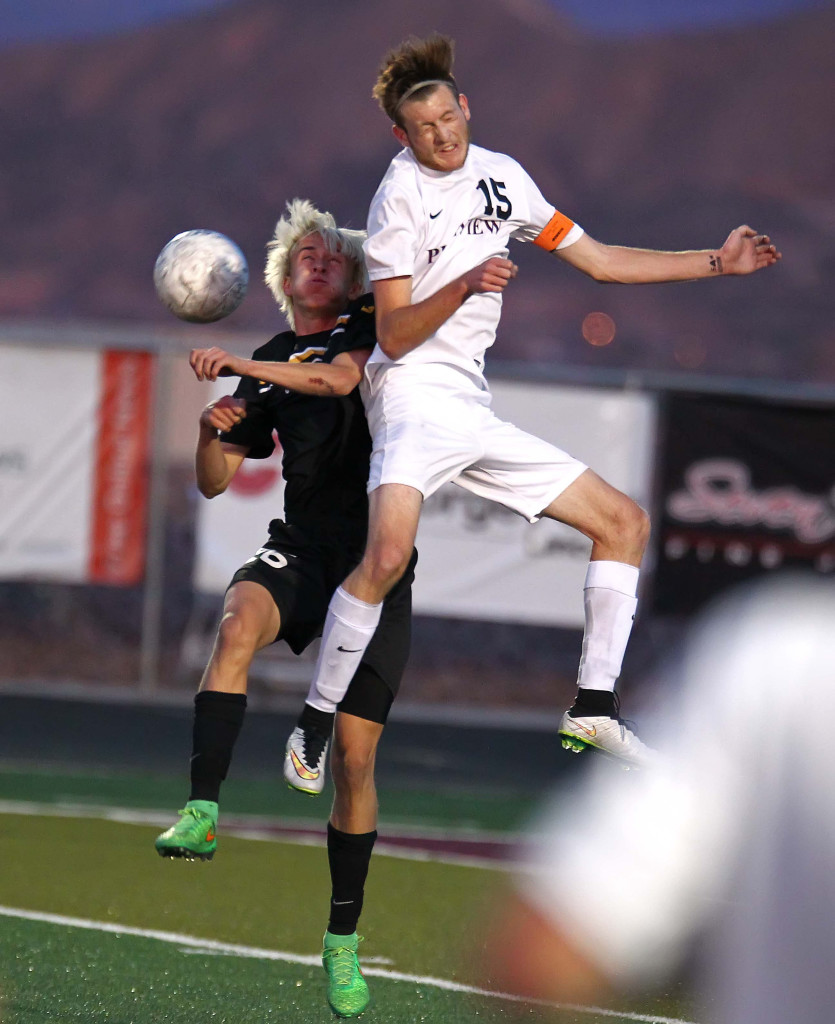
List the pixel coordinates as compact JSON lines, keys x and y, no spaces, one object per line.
{"x":746,"y":488}
{"x":118,"y":528}
{"x":477,"y":559}
{"x":73,"y":464}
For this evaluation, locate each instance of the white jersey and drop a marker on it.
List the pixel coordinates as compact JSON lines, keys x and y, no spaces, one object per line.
{"x":434,"y":226}
{"x":730,"y":835}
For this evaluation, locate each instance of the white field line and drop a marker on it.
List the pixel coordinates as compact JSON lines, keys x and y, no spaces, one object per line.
{"x":189,"y":942}
{"x":250,"y":828}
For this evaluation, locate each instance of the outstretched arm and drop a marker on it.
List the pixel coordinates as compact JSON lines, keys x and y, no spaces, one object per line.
{"x":743,"y":252}
{"x":339,"y":377}
{"x":403,"y":325}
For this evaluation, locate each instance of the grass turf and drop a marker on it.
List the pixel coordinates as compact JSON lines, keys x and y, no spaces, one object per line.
{"x":259,"y":894}
{"x":256,"y":893}
{"x":64,"y":974}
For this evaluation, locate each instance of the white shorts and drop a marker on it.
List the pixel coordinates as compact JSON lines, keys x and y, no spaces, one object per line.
{"x":432,"y":423}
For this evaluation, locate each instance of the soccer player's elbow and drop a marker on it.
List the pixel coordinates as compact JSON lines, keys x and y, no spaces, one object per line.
{"x":603,"y":273}
{"x":386,"y":342}
{"x":209,"y":490}
{"x":347,"y":382}
{"x":388,"y":337}
{"x":392,"y":345}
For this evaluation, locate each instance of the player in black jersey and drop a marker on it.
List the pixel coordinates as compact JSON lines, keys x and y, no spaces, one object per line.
{"x":302,"y":384}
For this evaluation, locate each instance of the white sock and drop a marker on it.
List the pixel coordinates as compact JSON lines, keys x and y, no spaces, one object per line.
{"x":610,"y":602}
{"x":349,"y":626}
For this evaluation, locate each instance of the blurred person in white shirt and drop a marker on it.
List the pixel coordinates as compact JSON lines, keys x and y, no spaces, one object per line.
{"x":729,"y":840}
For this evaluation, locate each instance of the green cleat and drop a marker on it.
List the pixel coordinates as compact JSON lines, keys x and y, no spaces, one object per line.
{"x":347,"y":991}
{"x":573,"y":744}
{"x":194,"y":837}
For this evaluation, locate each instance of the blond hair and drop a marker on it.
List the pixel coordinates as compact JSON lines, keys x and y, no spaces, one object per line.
{"x":303,"y":219}
{"x":412,"y":70}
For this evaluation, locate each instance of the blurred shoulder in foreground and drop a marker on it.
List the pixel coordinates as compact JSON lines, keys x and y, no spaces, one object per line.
{"x":731,"y":839}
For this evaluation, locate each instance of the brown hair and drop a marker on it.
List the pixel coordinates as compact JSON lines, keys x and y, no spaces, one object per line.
{"x":415,"y":67}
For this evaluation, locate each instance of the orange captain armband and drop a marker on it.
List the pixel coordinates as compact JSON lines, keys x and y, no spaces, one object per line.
{"x":554,"y":232}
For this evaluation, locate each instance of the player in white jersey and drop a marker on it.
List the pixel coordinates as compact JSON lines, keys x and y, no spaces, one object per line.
{"x":438,"y":231}
{"x":456,"y":220}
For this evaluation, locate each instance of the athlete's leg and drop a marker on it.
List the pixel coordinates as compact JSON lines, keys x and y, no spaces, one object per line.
{"x":352,"y":764}
{"x":352,"y":826}
{"x":619,"y":530}
{"x":369,"y":696}
{"x":353,"y":822}
{"x":250,"y":621}
{"x":616,"y":525}
{"x":354,"y":610}
{"x":352,"y":831}
{"x":393,"y":516}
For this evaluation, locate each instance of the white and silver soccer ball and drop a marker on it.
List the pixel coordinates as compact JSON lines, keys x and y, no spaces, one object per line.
{"x":201,"y":276}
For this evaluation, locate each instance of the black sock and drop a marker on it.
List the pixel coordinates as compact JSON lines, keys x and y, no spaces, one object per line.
{"x":218,"y":718}
{"x":594,"y":704}
{"x":349,"y":855}
{"x":312,"y":719}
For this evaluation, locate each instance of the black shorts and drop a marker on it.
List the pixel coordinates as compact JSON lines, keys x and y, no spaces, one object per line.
{"x":301,"y":573}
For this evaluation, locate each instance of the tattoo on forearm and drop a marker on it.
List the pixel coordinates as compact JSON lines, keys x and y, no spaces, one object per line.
{"x":716,"y":264}
{"x":323,"y":384}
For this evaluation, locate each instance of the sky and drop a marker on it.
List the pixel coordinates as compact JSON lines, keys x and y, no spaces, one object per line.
{"x":26,"y":20}
{"x":631,"y":17}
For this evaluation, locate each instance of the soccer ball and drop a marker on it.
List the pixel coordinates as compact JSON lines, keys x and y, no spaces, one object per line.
{"x":201,"y":276}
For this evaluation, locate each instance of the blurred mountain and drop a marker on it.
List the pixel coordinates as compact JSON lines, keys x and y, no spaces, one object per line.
{"x":56,"y":19}
{"x":112,"y":146}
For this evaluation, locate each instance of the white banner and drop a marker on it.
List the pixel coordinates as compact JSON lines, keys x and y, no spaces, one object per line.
{"x":49,"y":400}
{"x":73,"y":464}
{"x":477,"y":559}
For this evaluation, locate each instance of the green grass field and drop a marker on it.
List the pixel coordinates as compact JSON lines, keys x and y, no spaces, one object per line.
{"x":413,"y":807}
{"x":423,"y":920}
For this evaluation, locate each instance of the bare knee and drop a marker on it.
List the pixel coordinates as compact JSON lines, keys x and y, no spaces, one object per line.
{"x":624,"y":532}
{"x":386,"y":562}
{"x":638,"y":525}
{"x":236,"y":637}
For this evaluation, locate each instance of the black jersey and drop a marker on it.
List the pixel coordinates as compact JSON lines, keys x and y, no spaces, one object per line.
{"x":325,"y":441}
